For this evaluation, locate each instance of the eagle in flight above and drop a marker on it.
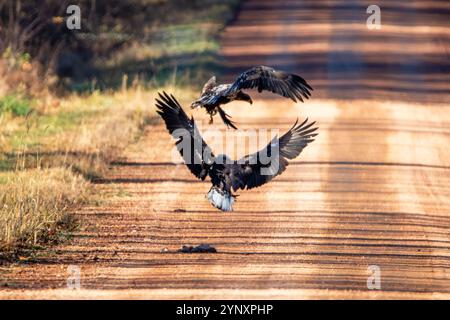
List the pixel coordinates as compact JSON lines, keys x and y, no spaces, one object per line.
{"x":264,"y":78}
{"x":229,"y":175}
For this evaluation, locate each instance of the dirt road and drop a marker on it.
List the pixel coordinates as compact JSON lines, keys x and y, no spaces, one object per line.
{"x":372,"y":190}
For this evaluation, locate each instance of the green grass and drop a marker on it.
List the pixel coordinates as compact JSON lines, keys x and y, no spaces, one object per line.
{"x":15,"y":105}
{"x":37,"y":129}
{"x":41,"y":129}
{"x":3,"y":179}
{"x":6,"y":163}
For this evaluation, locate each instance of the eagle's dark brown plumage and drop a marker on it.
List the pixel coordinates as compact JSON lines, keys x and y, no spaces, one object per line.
{"x":261,"y":77}
{"x":229,"y":175}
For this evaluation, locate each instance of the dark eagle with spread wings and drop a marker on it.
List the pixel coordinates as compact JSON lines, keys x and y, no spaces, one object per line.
{"x":261,"y":77}
{"x":229,"y":175}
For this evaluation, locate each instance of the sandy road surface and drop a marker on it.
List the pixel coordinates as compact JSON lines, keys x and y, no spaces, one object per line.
{"x":373,"y":189}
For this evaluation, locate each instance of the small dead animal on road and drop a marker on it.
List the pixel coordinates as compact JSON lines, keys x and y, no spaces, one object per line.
{"x":226,"y":175}
{"x":264,"y":78}
{"x":203,"y":248}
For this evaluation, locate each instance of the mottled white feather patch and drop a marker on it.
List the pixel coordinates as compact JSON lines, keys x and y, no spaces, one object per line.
{"x":220,"y":199}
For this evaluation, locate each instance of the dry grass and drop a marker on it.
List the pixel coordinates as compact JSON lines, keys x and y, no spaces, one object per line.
{"x":54,"y":152}
{"x":116,"y":120}
{"x":49,"y":155}
{"x":82,"y":132}
{"x":34,"y":203}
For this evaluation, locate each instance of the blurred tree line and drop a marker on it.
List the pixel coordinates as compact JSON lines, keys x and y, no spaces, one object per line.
{"x":34,"y":34}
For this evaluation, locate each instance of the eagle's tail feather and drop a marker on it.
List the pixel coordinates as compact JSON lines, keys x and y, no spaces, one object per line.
{"x":221,"y":199}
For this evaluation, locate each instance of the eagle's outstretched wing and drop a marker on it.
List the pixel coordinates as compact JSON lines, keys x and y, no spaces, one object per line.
{"x":195,"y":152}
{"x":266,"y":78}
{"x":259,"y":168}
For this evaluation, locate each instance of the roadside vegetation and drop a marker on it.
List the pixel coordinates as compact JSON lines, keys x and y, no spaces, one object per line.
{"x":65,"y":118}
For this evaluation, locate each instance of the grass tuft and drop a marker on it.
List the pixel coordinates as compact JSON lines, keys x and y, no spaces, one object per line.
{"x":48,"y":158}
{"x":34,"y":203}
{"x":15,"y":105}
